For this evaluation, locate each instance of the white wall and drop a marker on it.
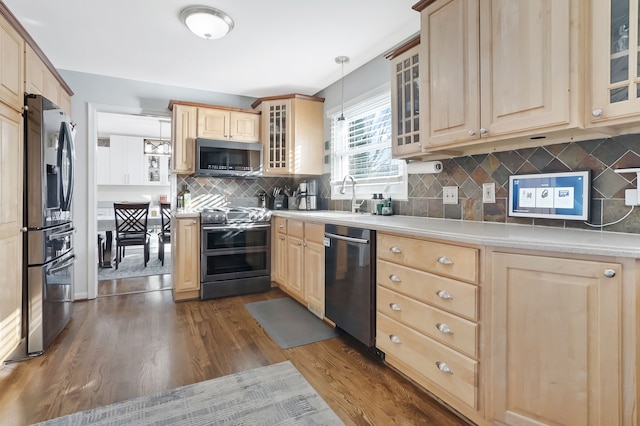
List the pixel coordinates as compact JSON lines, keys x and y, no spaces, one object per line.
{"x":114,"y":95}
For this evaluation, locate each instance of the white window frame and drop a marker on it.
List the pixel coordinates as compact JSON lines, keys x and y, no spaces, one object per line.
{"x":395,"y":187}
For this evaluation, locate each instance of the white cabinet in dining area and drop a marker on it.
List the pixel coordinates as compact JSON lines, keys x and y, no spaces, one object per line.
{"x":121,"y":161}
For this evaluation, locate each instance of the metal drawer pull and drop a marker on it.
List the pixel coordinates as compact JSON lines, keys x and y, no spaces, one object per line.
{"x":395,"y":278}
{"x":444,"y":294}
{"x":395,"y":307}
{"x":444,"y":367}
{"x":445,"y":260}
{"x":609,"y":273}
{"x":394,"y":339}
{"x":444,"y":328}
{"x":395,"y":249}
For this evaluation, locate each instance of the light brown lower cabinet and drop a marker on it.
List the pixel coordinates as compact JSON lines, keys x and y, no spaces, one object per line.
{"x":185,"y":252}
{"x":297,"y":261}
{"x":557,"y":355}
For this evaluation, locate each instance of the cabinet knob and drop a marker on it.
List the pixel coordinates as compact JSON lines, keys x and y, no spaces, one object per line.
{"x":597,"y":112}
{"x":282,"y":237}
{"x":472,"y":133}
{"x":394,"y":339}
{"x":444,"y":328}
{"x":444,"y":367}
{"x":444,"y":260}
{"x":444,"y":294}
{"x":609,"y":273}
{"x":299,"y":243}
{"x":483,"y":131}
{"x":281,"y":226}
{"x":304,"y":245}
{"x":395,"y":307}
{"x":395,"y":249}
{"x":194,"y":222}
{"x":395,"y":278}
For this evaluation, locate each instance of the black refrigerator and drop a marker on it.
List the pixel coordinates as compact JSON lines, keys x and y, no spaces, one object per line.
{"x":48,"y":240}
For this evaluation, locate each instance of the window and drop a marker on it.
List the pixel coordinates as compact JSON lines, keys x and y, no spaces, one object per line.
{"x":363,"y":150}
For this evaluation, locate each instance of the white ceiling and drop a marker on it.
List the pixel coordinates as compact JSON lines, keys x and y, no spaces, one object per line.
{"x":276,"y":47}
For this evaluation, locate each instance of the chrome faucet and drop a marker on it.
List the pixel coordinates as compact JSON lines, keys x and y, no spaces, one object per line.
{"x":355,"y":206}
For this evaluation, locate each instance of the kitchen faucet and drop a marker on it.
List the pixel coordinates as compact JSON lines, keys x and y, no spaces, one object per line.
{"x":355,"y":206}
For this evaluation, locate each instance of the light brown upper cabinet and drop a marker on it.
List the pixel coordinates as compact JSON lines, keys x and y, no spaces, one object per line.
{"x":496,"y":69}
{"x":405,"y":99}
{"x":11,"y":66}
{"x":222,"y":124}
{"x":40,"y":80}
{"x":292,"y":134}
{"x":615,"y":78}
{"x":183,"y":128}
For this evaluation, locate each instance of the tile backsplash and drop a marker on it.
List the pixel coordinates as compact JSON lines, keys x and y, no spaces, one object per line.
{"x":468,"y":173}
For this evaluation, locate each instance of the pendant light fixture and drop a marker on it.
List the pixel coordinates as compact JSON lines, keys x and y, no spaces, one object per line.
{"x":206,"y":22}
{"x":341,"y":125}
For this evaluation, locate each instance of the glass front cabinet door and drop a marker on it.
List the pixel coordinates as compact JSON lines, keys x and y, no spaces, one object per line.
{"x":405,"y":100}
{"x":615,"y":79}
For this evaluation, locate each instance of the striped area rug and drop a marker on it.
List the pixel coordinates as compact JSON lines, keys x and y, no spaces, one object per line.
{"x":274,"y":395}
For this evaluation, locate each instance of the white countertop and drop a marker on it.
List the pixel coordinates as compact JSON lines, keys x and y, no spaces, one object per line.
{"x":527,"y":237}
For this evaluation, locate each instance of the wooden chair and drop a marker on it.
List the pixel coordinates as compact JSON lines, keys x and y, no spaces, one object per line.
{"x":131,"y":228}
{"x":164,"y":236}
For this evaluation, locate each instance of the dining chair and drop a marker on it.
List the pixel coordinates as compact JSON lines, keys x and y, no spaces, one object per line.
{"x":131,"y":228}
{"x":164,"y":236}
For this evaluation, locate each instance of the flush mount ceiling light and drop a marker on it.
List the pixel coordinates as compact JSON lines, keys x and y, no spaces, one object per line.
{"x":206,"y":22}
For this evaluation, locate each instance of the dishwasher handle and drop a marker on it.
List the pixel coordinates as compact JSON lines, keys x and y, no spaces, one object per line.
{"x":345,"y":238}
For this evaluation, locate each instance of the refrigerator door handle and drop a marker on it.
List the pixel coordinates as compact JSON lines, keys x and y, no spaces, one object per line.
{"x":66,"y":154}
{"x":65,"y":265}
{"x":61,"y":234}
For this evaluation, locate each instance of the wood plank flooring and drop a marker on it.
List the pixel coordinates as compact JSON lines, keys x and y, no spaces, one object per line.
{"x":120,"y":347}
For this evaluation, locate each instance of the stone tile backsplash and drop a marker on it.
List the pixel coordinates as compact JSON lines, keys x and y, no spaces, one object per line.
{"x":601,"y":156}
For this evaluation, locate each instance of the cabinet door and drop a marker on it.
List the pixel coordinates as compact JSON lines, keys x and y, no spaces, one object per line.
{"x":103,"y":165}
{"x":244,"y":127}
{"x":11,"y":66}
{"x":184,"y":128}
{"x":279,"y":257}
{"x":11,"y":152}
{"x":118,"y":168}
{"x":295,"y":259}
{"x":314,"y":275}
{"x":135,"y":161}
{"x":449,"y":77}
{"x":555,"y":348}
{"x":306,"y":137}
{"x":213,"y":123}
{"x":186,"y":256}
{"x":524,"y":65}
{"x":276,"y":131}
{"x":615,"y":80}
{"x":405,"y":103}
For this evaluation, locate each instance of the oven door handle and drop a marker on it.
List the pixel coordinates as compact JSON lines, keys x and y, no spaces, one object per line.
{"x":231,"y":227}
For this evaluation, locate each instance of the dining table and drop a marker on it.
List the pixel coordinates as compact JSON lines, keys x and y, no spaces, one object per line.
{"x":107,"y":224}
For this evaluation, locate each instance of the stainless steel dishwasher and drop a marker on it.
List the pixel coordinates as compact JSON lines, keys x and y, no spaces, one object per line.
{"x":350,"y":277}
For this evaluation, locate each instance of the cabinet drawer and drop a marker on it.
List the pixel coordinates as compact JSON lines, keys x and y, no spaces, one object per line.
{"x":440,"y":258}
{"x":314,"y":232}
{"x":450,"y":295}
{"x":295,"y":228}
{"x":280,"y":224}
{"x":424,"y":355}
{"x":449,"y":329}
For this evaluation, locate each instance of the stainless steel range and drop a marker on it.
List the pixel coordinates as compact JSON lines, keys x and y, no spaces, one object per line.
{"x":235,"y":251}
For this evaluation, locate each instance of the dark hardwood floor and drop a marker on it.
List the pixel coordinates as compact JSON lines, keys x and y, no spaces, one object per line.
{"x":120,"y":347}
{"x":134,"y":285}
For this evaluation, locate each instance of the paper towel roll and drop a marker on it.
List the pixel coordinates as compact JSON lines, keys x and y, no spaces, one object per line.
{"x":415,"y":167}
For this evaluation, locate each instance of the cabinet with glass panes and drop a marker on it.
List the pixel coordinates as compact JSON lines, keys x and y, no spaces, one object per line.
{"x":405,"y":99}
{"x":615,"y":62}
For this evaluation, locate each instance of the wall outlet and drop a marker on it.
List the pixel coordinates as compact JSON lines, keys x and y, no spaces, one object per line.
{"x":631,"y":197}
{"x":450,"y":195}
{"x":489,"y":192}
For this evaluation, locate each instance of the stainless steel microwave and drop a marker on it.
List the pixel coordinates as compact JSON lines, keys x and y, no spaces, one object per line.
{"x":220,"y":158}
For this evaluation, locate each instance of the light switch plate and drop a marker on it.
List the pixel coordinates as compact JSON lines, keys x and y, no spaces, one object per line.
{"x":450,"y":195}
{"x":489,"y":192}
